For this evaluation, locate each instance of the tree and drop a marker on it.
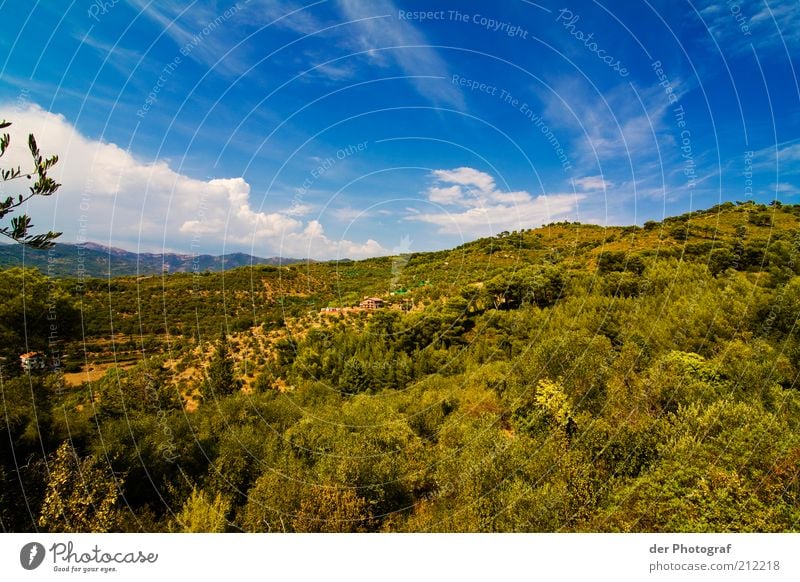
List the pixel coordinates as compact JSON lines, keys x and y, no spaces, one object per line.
{"x":30,"y":304}
{"x":332,"y":510}
{"x":27,"y":429}
{"x":201,"y":514}
{"x":145,"y":387}
{"x":355,"y":377}
{"x":536,"y":285}
{"x":552,"y":401}
{"x":81,"y":495}
{"x":43,"y":186}
{"x":719,"y":260}
{"x":220,"y":378}
{"x":613,"y":261}
{"x":680,"y":231}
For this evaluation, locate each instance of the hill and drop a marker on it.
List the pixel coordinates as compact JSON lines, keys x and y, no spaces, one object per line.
{"x":94,"y":260}
{"x":565,"y":378}
{"x":747,"y":237}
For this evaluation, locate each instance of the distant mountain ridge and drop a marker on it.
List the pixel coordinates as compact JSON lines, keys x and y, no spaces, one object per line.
{"x":96,"y":260}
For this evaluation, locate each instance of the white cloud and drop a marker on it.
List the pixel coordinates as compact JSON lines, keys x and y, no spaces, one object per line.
{"x":623,"y":141}
{"x":466,"y":177}
{"x":770,"y":26}
{"x":470,"y":187}
{"x":335,"y":72}
{"x":593,"y":183}
{"x":611,"y":130}
{"x":784,"y":188}
{"x":412,"y":52}
{"x":446,"y":195}
{"x":291,"y":15}
{"x":373,"y":32}
{"x":298,"y":209}
{"x":348,"y":214}
{"x":109,"y":196}
{"x":204,"y":32}
{"x":778,"y":20}
{"x":475,"y":207}
{"x":785,"y":158}
{"x":788,"y":154}
{"x":122,"y":59}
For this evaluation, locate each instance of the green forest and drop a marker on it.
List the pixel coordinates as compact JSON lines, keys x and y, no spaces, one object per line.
{"x":568,"y":378}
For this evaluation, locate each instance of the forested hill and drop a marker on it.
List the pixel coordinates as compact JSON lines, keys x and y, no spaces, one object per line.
{"x":566,"y":378}
{"x":94,"y":260}
{"x":534,"y":266}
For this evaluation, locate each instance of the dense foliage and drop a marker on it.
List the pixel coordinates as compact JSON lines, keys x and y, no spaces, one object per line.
{"x":569,"y":378}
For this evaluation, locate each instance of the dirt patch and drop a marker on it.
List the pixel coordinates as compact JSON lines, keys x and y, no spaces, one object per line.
{"x":94,"y":372}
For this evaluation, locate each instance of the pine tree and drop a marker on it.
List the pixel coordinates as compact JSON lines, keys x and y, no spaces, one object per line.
{"x":221,"y":377}
{"x":202,"y":514}
{"x":355,"y":378}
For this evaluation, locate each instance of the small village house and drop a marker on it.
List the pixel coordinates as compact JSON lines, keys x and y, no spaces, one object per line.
{"x":371,"y":303}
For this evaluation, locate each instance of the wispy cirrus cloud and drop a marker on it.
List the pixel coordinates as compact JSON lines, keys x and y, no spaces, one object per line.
{"x":372,"y":33}
{"x":767,"y":25}
{"x":120,"y":58}
{"x":783,"y":158}
{"x":199,"y":32}
{"x":410,"y":51}
{"x":621,"y":124}
{"x":784,"y":188}
{"x":624,"y":142}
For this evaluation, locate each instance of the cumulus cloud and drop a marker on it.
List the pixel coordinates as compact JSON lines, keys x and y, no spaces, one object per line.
{"x":446,"y":195}
{"x":110,"y":196}
{"x":469,"y":177}
{"x":472,"y":204}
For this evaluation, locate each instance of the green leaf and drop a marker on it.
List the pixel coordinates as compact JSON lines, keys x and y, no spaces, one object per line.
{"x":33,"y":147}
{"x":43,"y":186}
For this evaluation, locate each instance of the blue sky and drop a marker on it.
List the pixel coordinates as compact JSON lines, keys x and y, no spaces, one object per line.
{"x":345,"y":128}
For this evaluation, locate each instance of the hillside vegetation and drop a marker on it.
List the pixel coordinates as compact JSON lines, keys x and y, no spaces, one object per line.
{"x":566,"y":378}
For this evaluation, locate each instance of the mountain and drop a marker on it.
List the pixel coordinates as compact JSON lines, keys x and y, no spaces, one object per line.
{"x":95,"y":260}
{"x":503,"y":272}
{"x":571,"y":378}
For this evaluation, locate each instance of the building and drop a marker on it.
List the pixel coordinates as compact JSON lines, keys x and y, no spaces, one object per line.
{"x":32,"y":361}
{"x":371,"y":303}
